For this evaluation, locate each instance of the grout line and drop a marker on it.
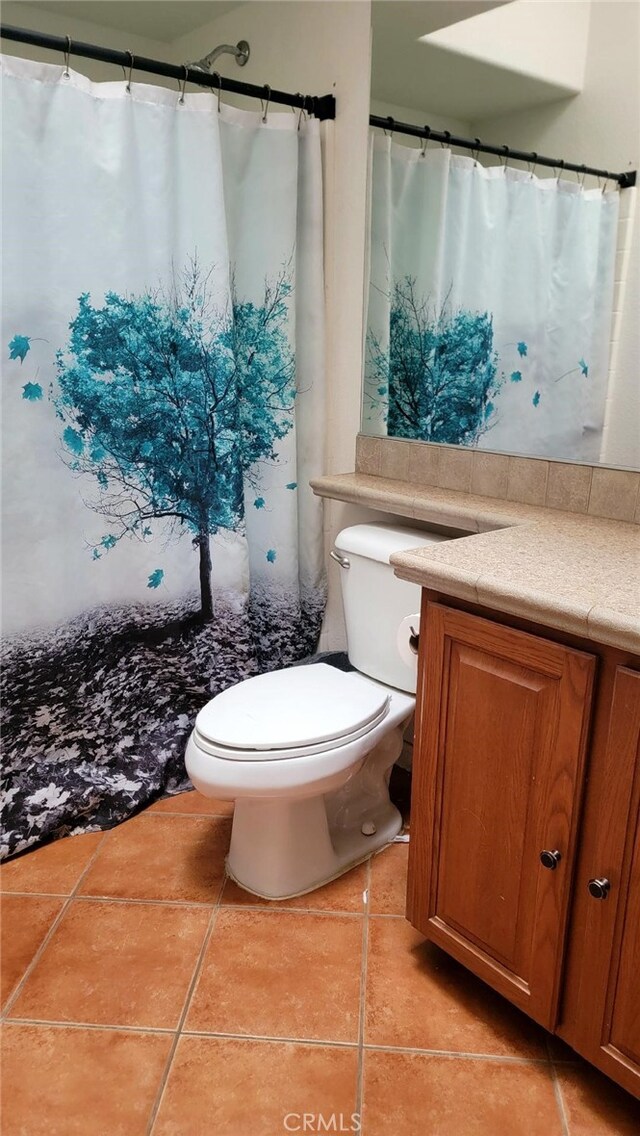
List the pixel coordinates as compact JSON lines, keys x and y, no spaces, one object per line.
{"x":363,"y":996}
{"x":56,"y":922}
{"x":268,"y":1038}
{"x":36,"y":894}
{"x":275,"y":1039}
{"x":199,"y":903}
{"x":273,"y":910}
{"x":455,"y":1055}
{"x":106,"y":1026}
{"x":557,"y":1092}
{"x":185,"y":1008}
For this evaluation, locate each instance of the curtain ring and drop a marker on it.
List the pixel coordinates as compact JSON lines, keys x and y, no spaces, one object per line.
{"x":425,"y":141}
{"x":474,"y":153}
{"x":580,"y":180}
{"x":447,"y":135}
{"x":216,"y":75}
{"x":561,"y":166}
{"x":265,"y":109}
{"x":392,"y":124}
{"x":532,"y":165}
{"x":67,"y":52}
{"x":182,"y":84}
{"x":128,"y":77}
{"x":504,"y":161}
{"x":302,"y":111}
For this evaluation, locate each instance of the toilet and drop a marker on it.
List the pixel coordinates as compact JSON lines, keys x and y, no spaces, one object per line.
{"x":306,"y":752}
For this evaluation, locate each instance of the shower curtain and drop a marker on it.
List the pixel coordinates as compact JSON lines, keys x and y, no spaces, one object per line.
{"x":489,"y":309}
{"x":162,"y":415}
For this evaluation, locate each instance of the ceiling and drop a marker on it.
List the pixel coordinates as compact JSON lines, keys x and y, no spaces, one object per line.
{"x":425,"y":76}
{"x":164,"y":20}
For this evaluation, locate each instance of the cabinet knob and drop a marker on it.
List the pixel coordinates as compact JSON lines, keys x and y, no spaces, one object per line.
{"x":599,"y":889}
{"x":550,"y":860}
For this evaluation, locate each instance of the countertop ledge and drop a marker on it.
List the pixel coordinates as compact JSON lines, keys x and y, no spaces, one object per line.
{"x":574,"y":572}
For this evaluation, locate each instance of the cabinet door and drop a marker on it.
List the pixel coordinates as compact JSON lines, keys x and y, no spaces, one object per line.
{"x":601,"y":1011}
{"x":501,"y":726}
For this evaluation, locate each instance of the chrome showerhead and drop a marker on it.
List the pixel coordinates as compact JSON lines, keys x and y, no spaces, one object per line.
{"x":241,"y":52}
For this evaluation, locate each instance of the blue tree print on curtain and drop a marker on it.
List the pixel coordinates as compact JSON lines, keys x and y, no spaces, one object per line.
{"x":170,"y":403}
{"x":439,"y":375}
{"x":165,"y":406}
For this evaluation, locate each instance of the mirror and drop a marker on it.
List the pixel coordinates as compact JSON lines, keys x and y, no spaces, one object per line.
{"x":502,"y":294}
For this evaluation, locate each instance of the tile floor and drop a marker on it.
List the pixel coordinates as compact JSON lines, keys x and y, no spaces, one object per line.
{"x":145,"y":993}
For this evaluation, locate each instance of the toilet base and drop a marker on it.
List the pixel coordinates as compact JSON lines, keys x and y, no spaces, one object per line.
{"x":283,"y":848}
{"x":314,"y":887}
{"x":373,"y":844}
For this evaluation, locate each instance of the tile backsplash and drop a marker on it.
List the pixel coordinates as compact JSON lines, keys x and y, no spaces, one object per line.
{"x":596,"y":490}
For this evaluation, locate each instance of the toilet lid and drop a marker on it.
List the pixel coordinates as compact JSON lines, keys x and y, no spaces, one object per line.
{"x":289,"y":709}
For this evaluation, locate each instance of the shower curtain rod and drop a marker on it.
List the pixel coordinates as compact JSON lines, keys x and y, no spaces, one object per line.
{"x":625,"y":180}
{"x":321,"y":106}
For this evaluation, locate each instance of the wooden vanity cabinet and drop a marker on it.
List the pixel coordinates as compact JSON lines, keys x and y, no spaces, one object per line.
{"x":526,"y":787}
{"x":601,"y":1003}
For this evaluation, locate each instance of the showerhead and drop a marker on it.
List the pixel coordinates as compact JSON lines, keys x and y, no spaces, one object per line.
{"x":241,"y":52}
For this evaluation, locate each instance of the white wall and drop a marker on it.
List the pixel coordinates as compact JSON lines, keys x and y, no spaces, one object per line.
{"x":601,"y":127}
{"x":547,"y":43}
{"x":23,"y":15}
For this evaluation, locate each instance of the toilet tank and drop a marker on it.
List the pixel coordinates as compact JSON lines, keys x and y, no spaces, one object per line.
{"x":376,"y":601}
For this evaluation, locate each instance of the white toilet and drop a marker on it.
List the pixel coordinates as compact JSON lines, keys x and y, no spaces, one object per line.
{"x":306,"y":752}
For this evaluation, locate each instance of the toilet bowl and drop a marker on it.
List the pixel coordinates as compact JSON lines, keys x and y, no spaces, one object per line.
{"x":306,"y":752}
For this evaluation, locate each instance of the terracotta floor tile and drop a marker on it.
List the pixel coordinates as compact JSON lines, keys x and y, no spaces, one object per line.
{"x":61,"y":1081}
{"x":192,"y":802}
{"x":25,"y":922}
{"x":389,"y":880}
{"x":411,"y":1094}
{"x":52,"y":870}
{"x":247,"y":1088}
{"x":280,"y":974}
{"x":594,"y":1105}
{"x":418,"y":997}
{"x":125,"y":964}
{"x":344,"y":894}
{"x":161,"y":857}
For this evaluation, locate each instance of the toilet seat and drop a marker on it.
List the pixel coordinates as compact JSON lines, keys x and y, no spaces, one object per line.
{"x":290,"y":713}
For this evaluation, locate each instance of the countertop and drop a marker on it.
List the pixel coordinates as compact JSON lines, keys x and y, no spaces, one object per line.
{"x":578,"y":573}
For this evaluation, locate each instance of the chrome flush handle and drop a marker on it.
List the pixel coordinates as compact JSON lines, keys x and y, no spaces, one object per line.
{"x":343,"y":561}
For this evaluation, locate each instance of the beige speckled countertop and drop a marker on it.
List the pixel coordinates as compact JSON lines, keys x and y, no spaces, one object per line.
{"x":578,"y":573}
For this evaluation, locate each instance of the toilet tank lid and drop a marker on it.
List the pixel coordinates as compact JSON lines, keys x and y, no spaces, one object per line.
{"x":378,"y":542}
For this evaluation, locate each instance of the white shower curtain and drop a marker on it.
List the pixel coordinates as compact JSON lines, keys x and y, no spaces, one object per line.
{"x":489,"y":307}
{"x":163,"y":402}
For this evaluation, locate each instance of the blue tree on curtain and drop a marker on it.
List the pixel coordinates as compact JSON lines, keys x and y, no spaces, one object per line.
{"x":169,"y":403}
{"x":439,"y":374}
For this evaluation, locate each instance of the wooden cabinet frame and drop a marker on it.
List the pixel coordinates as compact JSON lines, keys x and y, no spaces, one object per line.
{"x":581,"y":982}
